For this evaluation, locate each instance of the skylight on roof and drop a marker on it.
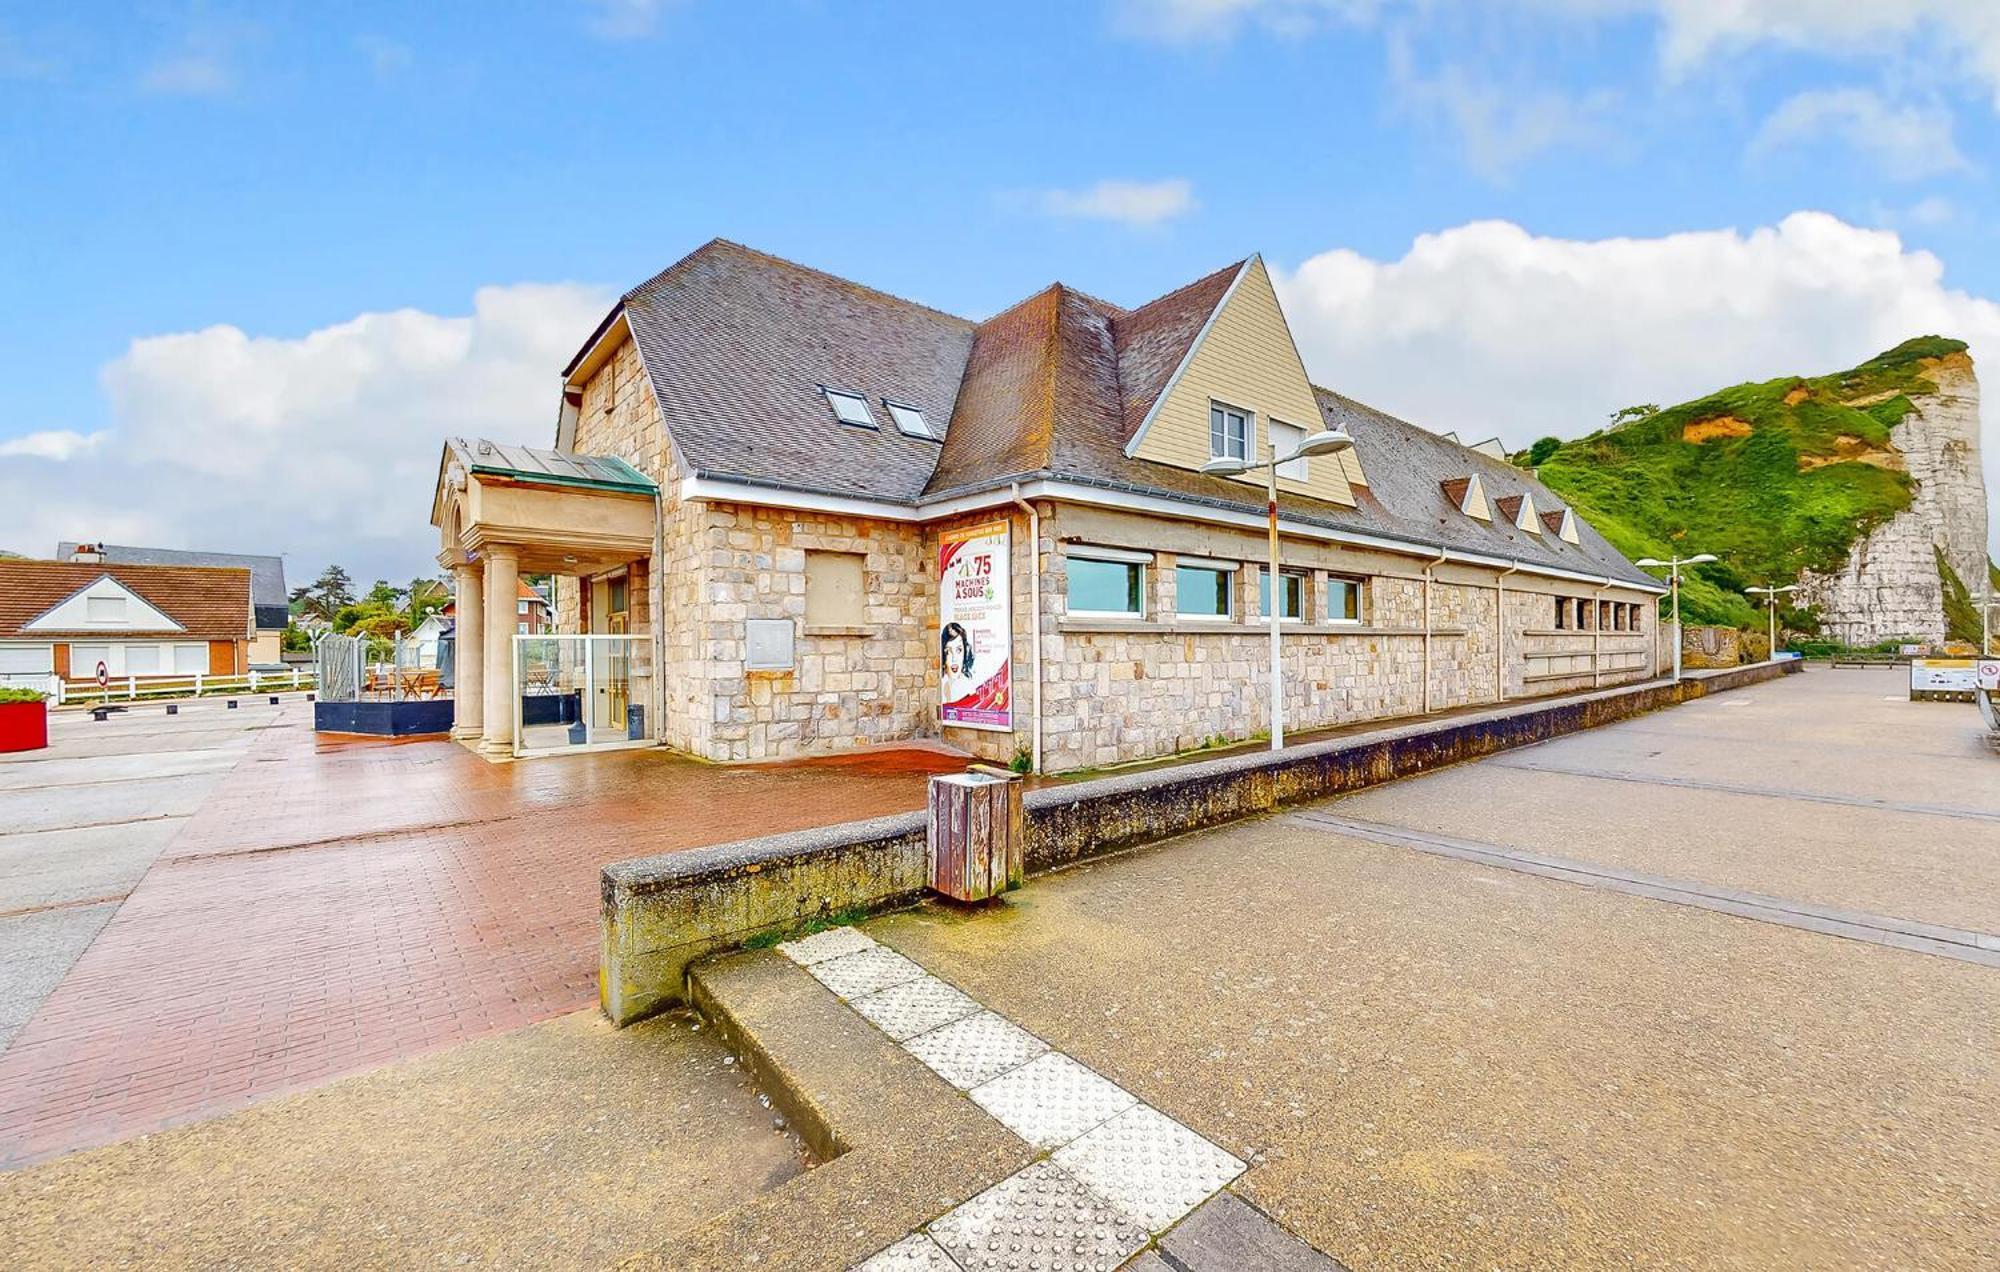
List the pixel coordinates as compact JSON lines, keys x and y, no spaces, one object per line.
{"x":851,"y":408}
{"x":910,"y":422}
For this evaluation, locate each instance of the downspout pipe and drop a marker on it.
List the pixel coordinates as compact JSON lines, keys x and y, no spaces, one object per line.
{"x":1427,"y":627}
{"x":1500,"y":633}
{"x":1034,"y":615}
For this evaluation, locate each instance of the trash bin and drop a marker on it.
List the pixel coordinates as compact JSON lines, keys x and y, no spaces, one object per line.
{"x":977,"y":834}
{"x":635,"y":722}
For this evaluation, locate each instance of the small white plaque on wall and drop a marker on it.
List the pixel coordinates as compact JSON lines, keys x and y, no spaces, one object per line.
{"x":767,"y":644}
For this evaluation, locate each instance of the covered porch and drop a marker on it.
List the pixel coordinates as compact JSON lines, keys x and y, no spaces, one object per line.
{"x":505,"y":511}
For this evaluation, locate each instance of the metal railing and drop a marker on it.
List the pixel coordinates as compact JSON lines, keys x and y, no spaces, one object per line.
{"x":375,"y":668}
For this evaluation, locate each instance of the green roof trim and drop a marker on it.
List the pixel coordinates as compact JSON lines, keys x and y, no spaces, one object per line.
{"x":553,"y":468}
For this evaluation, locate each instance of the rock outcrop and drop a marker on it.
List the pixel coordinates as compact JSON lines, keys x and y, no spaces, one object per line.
{"x":1890,"y":584}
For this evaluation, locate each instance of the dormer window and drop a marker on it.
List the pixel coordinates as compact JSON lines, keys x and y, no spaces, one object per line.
{"x":850,"y":408}
{"x":1228,"y":432}
{"x":910,"y":421}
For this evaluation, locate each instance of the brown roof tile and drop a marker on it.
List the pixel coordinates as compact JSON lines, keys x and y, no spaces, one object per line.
{"x":1152,"y":339}
{"x":211,"y":603}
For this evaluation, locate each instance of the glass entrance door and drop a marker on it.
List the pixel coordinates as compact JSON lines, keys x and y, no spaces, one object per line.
{"x":579,"y":693}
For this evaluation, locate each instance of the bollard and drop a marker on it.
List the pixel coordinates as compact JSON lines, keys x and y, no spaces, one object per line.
{"x":232,"y":704}
{"x":274,"y":699}
{"x":173,"y":708}
{"x":978,"y":836}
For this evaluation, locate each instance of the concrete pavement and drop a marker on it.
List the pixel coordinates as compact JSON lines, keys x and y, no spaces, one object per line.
{"x":1433,"y":1063}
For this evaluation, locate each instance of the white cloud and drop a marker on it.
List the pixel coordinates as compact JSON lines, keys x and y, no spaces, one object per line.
{"x":385,"y":57}
{"x":202,"y":74}
{"x":1487,"y":328}
{"x":1139,"y":203}
{"x":324,"y":446}
{"x":59,"y":444}
{"x":623,"y":19}
{"x":1500,"y":126}
{"x":1909,"y":142}
{"x":1188,"y":21}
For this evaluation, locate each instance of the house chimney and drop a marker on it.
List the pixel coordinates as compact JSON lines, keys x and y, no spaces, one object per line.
{"x":86,"y":554}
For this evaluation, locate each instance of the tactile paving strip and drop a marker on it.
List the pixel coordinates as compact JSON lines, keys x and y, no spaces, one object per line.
{"x":968,"y":1052}
{"x":1052,"y":1099}
{"x":854,"y":975}
{"x":1149,"y":1166}
{"x":1038,"y":1219}
{"x":914,"y":1253}
{"x":821,"y":946}
{"x":914,"y":1007}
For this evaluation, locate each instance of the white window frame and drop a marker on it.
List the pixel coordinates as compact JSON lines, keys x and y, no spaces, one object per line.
{"x":1114,"y":556}
{"x":836,"y":397}
{"x":1302,"y":575}
{"x":197,"y":655}
{"x":1225,"y":568}
{"x":1225,"y":410}
{"x":911,"y":421}
{"x":1360,"y":583}
{"x":1291,"y":470}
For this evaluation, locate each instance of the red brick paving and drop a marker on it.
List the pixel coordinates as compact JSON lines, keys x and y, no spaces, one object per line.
{"x":336,"y":906}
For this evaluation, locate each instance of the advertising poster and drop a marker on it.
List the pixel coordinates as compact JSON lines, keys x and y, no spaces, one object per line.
{"x":975,"y":629}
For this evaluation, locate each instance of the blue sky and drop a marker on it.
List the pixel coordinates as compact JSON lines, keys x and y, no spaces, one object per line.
{"x":277,"y":171}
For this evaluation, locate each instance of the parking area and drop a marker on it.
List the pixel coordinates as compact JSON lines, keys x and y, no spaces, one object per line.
{"x":1714,"y":987}
{"x":208,"y":909}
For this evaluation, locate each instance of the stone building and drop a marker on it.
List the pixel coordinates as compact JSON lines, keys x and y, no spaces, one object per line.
{"x":821,"y":517}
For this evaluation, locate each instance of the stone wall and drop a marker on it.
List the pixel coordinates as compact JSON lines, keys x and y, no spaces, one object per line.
{"x":1889,"y":585}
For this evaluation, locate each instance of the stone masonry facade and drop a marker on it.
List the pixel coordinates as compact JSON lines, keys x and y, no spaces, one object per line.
{"x":1113,"y":690}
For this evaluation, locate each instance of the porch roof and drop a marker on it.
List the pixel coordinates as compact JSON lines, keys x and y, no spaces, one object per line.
{"x":550,"y":467}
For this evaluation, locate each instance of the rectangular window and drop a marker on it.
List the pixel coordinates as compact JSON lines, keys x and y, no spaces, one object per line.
{"x":850,"y":408}
{"x":1202,"y":591}
{"x":1228,"y":432}
{"x":910,"y":422}
{"x":1343,"y":599}
{"x":1106,"y":587}
{"x":1285,"y":439}
{"x":835,"y":589}
{"x":190,"y":660}
{"x":1603,"y":615}
{"x":617,"y":593}
{"x":142,"y":660}
{"x":104,"y":609}
{"x":83,"y":660}
{"x":1294,"y":593}
{"x":1562,"y":613}
{"x":1638,"y":620}
{"x":522,"y":608}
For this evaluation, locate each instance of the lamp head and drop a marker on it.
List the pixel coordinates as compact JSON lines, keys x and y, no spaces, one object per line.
{"x":1700,"y":559}
{"x":1648,"y":563}
{"x":1225,"y":467}
{"x":1328,"y":441}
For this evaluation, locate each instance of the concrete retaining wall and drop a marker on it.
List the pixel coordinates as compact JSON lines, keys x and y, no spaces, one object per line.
{"x":662,"y":913}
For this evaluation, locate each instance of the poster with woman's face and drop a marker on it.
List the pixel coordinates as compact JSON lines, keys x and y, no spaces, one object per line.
{"x":975,"y":632}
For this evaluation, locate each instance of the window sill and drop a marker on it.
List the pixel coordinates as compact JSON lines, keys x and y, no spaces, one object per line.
{"x":1583,"y":631}
{"x":840,"y":629}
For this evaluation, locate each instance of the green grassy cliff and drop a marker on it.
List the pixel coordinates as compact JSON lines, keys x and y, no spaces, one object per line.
{"x":1772,"y":478}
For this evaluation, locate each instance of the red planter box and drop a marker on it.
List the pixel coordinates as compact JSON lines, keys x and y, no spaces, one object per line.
{"x":24,"y":726}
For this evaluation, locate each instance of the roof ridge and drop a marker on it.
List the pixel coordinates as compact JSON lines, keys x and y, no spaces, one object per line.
{"x":786,"y":262}
{"x":1209,"y":277}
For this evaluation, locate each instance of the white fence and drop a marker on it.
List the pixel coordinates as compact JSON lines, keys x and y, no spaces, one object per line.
{"x":139,"y":688}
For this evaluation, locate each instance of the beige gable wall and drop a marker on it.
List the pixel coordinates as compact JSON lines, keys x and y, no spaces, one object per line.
{"x":1247,"y":360}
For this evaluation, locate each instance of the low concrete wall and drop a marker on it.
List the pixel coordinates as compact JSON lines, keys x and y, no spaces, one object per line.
{"x":405,"y":719}
{"x":662,"y":913}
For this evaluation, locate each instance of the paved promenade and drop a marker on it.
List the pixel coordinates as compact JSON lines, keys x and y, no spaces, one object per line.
{"x":1429,"y":1059}
{"x":317,"y":908}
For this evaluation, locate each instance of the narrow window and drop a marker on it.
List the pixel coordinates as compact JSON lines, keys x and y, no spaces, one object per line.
{"x":1106,"y":587}
{"x":1201,"y":591}
{"x":1285,"y":439}
{"x":1228,"y":433}
{"x":1562,"y":613}
{"x":910,"y":422}
{"x":1293,"y":591}
{"x":850,"y":408}
{"x":1343,"y":599}
{"x":836,"y":594}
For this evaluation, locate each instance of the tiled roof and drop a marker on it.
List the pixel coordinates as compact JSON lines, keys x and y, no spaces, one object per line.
{"x":1455,"y":488}
{"x":210,"y":602}
{"x":267,"y":573}
{"x":738,"y":346}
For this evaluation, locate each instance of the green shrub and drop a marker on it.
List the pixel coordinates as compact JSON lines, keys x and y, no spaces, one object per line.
{"x":22,"y":695}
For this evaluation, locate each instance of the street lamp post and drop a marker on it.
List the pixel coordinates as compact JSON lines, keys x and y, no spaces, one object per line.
{"x":1673,"y":567}
{"x":1325,"y":442}
{"x":1771,"y":595}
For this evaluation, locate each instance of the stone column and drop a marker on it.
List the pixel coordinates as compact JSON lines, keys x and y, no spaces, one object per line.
{"x":503,"y":585}
{"x":469,"y":654}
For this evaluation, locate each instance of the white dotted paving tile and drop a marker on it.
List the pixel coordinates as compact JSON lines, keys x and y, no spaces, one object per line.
{"x":914,"y":1253}
{"x":821,"y":946}
{"x":1149,"y":1166}
{"x":914,"y":1007}
{"x":1041,"y":1218}
{"x":1052,"y":1099}
{"x":968,"y":1052}
{"x":853,"y":975}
